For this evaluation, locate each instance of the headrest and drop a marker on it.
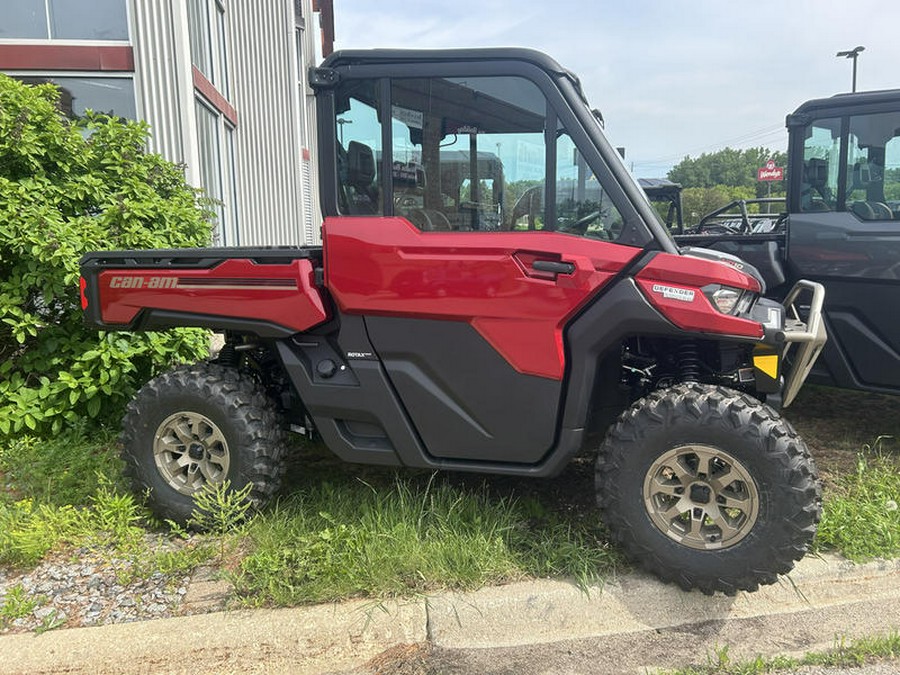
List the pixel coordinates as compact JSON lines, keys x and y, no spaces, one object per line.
{"x":816,"y":172}
{"x":360,"y":165}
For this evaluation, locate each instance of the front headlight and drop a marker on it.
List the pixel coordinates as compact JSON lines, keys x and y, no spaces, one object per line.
{"x":728,"y":300}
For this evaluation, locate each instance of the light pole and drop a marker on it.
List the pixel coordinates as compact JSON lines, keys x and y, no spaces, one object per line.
{"x":852,"y":54}
{"x":341,"y":122}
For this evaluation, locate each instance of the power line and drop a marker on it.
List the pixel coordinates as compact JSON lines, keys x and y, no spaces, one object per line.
{"x":743,"y":138}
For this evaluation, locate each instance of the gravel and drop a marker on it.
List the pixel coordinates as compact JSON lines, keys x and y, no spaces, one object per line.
{"x":87,"y":587}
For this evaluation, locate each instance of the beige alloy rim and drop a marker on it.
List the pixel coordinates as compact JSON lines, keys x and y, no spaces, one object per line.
{"x":701,"y":496}
{"x":190,"y":451}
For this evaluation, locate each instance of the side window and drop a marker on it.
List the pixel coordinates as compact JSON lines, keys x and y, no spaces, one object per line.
{"x":582,"y":206}
{"x":358,"y":147}
{"x":468,"y":153}
{"x":873,"y":166}
{"x":821,"y":161}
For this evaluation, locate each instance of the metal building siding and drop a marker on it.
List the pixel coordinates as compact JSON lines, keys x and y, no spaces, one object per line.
{"x":156,"y":75}
{"x":267,"y":145}
{"x":312,"y":210}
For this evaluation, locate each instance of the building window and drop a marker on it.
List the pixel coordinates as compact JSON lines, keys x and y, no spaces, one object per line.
{"x":201,"y":37}
{"x":65,"y":20}
{"x":215,"y":141}
{"x":113,"y":96}
{"x":208,"y":33}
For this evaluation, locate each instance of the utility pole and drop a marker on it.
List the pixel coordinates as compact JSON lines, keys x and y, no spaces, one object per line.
{"x":852,"y":54}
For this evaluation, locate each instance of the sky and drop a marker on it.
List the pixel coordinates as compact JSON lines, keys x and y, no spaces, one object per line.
{"x":672,"y":78}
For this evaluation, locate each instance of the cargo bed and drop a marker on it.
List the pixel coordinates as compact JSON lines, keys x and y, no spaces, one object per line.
{"x":269,"y":292}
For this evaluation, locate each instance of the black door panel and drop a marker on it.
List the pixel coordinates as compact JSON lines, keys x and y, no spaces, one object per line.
{"x":858,"y":262}
{"x":464,"y":398}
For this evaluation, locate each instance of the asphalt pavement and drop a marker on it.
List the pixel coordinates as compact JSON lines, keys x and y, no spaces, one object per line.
{"x":633,"y":623}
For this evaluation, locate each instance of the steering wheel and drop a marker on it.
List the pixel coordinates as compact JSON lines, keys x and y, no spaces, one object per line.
{"x":528,"y":204}
{"x":429,"y":220}
{"x":882,"y":211}
{"x":582,"y":223}
{"x":863,"y":210}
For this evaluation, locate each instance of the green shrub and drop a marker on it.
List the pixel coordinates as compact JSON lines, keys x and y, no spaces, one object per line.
{"x":67,"y":188}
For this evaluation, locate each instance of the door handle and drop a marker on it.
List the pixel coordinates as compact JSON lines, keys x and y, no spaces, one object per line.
{"x":553,"y":266}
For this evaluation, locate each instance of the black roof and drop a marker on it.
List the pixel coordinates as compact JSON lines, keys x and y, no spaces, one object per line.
{"x":345,"y":57}
{"x":657,"y":183}
{"x":660,"y":188}
{"x":852,"y":99}
{"x":358,"y":56}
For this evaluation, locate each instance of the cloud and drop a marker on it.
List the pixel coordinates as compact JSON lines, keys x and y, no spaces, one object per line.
{"x":670,"y":77}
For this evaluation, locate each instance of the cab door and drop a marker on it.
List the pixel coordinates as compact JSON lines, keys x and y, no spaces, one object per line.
{"x":469,"y":230}
{"x":844,"y":232}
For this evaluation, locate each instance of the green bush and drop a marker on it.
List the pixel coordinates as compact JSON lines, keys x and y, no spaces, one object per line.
{"x":66,"y":188}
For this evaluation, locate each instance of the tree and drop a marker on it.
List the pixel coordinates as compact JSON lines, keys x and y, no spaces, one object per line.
{"x":734,"y":168}
{"x":696,"y":202}
{"x":68,"y":187}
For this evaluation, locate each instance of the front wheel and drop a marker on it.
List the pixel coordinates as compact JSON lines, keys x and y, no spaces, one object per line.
{"x":709,"y":488}
{"x":197,"y":426}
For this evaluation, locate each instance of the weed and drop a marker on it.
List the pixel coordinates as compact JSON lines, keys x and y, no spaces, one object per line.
{"x":179,"y":562}
{"x":28,"y":531}
{"x":51,"y":621}
{"x":220,"y":510}
{"x":16,"y":605}
{"x":843,"y":655}
{"x":114,"y":515}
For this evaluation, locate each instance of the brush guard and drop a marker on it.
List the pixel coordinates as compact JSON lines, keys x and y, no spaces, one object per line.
{"x":803,"y":339}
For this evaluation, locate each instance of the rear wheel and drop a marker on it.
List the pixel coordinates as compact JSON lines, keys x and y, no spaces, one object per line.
{"x":201,"y":425}
{"x":709,"y":488}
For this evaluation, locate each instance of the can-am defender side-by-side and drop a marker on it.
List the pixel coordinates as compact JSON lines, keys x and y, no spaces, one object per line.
{"x":838,"y":227}
{"x":493,"y":290}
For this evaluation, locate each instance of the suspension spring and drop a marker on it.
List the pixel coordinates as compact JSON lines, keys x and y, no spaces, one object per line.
{"x":689,"y":361}
{"x":228,"y":355}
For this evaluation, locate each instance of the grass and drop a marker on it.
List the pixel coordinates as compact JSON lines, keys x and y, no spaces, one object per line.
{"x":67,"y":492}
{"x":844,"y":655}
{"x":861,"y":518}
{"x":347,"y":531}
{"x":59,"y":471}
{"x":30,"y":530}
{"x":405,"y":535}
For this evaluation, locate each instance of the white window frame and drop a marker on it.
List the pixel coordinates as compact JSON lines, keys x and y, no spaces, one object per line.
{"x":84,"y":74}
{"x":74,"y":42}
{"x":216,"y":27}
{"x":226,"y":231}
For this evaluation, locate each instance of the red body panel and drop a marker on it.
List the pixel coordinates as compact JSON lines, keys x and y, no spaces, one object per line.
{"x":283,"y":294}
{"x":386,"y":266}
{"x":672,"y":284}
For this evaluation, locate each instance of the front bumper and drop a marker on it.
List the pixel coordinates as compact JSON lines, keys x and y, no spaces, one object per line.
{"x":784,"y":358}
{"x":803,"y":340}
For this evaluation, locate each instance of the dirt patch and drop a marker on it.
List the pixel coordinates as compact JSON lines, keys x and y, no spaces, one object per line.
{"x":838,"y":424}
{"x":411,"y":659}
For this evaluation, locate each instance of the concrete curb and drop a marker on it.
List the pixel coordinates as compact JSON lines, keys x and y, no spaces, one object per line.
{"x":346,"y":635}
{"x":553,"y":611}
{"x":298,"y":640}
